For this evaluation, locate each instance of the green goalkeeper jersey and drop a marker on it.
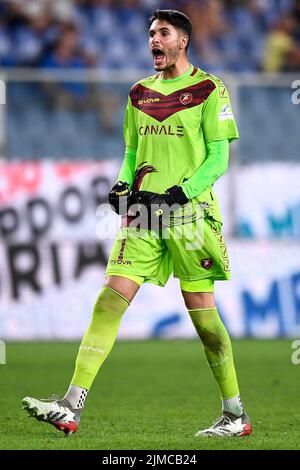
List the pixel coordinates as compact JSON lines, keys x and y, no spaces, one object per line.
{"x":168,"y":123}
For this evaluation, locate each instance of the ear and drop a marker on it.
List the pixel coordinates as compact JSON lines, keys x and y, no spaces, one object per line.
{"x":183,"y":41}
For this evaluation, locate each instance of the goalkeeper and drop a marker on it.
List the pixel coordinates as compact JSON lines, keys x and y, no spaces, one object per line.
{"x":177,"y":129}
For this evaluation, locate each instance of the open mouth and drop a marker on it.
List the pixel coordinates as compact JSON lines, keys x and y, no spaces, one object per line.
{"x":158,"y":55}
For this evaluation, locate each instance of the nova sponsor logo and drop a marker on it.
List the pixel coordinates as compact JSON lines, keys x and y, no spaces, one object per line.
{"x":161,"y":130}
{"x":186,"y":98}
{"x":148,"y":101}
{"x":120,"y":261}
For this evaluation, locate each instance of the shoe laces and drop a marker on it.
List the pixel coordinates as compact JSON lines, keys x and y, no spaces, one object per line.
{"x":222,"y":421}
{"x":53,"y":397}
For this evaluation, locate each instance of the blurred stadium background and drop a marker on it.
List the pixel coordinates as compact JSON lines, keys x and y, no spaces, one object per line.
{"x":67,"y":67}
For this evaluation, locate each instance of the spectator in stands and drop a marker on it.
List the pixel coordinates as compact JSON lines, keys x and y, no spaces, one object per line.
{"x":35,"y":36}
{"x":282,"y":52}
{"x":67,"y":54}
{"x":5,"y":41}
{"x":229,"y":34}
{"x":209,"y":24}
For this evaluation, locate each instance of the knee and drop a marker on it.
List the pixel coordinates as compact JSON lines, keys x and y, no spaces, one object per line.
{"x":198,"y":300}
{"x":123,"y":286}
{"x":109,"y":304}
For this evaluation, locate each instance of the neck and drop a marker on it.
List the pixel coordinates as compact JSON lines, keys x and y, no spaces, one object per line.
{"x":179,"y":68}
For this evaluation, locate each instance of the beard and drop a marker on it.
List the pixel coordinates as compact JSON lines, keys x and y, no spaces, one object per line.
{"x":170,"y":60}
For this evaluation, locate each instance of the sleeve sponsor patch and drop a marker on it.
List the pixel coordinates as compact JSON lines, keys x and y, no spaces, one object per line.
{"x":225,"y":113}
{"x":223,"y":93}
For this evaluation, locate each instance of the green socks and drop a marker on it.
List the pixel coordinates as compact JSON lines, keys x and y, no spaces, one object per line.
{"x":217,"y":347}
{"x":102,"y":331}
{"x":99,"y":337}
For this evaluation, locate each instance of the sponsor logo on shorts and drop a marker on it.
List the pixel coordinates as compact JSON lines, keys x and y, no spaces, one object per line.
{"x":223,"y":248}
{"x":120,"y":261}
{"x":186,"y":98}
{"x":207,"y":263}
{"x":223,"y":251}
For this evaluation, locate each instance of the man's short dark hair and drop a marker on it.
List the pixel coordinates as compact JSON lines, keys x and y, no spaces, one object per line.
{"x":176,"y":18}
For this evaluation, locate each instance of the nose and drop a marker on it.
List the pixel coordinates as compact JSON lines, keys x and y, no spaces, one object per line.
{"x":154,"y":40}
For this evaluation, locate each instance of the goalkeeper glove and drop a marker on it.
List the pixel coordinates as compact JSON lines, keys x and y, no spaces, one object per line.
{"x":118,"y":196}
{"x":174,"y":195}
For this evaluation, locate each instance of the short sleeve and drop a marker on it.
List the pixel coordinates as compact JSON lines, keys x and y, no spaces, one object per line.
{"x":129,"y":127}
{"x":217,"y":117}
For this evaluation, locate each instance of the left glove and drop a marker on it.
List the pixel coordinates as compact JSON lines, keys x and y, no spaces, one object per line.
{"x":118,"y":197}
{"x":173,"y":195}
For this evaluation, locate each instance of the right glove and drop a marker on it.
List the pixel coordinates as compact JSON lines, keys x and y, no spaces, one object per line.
{"x":118,"y":197}
{"x":160,"y":202}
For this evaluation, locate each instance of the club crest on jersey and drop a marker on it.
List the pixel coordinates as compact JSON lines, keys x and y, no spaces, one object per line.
{"x":206,"y":263}
{"x":186,"y":98}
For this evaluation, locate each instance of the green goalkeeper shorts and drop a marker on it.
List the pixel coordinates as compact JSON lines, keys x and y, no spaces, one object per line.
{"x":192,"y":251}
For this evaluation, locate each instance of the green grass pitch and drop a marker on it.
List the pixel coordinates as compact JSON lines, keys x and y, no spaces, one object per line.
{"x":152,"y":395}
